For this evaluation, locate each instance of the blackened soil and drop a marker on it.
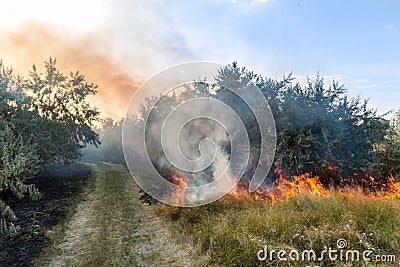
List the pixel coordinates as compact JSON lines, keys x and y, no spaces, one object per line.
{"x":57,"y":186}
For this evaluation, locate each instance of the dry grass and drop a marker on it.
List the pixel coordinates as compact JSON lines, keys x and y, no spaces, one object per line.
{"x":232,"y":231}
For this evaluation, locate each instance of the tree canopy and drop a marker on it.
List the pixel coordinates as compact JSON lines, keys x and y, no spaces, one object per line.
{"x":317,"y":124}
{"x":45,"y":119}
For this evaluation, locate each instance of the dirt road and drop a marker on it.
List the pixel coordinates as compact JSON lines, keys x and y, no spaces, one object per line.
{"x":112,"y":227}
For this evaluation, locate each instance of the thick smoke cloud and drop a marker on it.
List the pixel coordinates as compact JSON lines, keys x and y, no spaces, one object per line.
{"x":33,"y":43}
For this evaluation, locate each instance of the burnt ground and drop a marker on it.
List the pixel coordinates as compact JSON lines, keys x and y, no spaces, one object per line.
{"x":57,"y":188}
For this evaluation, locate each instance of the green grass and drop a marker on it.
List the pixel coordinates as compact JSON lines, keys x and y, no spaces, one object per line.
{"x":111,"y":217}
{"x":233,"y":231}
{"x":114,"y":219}
{"x":56,"y":233}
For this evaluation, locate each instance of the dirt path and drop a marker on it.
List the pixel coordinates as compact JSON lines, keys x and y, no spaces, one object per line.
{"x":111,"y":227}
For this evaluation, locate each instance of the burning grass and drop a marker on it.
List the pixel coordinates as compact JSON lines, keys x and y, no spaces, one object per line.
{"x":286,"y":187}
{"x":297,"y":213}
{"x":233,"y":231}
{"x":178,"y":195}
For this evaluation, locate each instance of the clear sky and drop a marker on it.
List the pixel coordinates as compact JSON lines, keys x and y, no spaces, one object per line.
{"x":355,"y":42}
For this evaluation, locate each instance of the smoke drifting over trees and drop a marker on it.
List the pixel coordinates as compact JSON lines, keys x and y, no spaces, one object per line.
{"x":46,"y":118}
{"x":317,"y":125}
{"x":92,"y":54}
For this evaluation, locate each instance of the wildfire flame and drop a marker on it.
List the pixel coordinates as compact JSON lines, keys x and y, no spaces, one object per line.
{"x":178,"y":194}
{"x":285,"y":188}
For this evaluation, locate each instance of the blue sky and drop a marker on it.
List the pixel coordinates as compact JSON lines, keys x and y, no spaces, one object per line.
{"x":355,"y":42}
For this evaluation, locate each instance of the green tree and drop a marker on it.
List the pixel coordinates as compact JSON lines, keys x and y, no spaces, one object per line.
{"x":316,"y":123}
{"x":44,"y":119}
{"x":387,"y":156}
{"x":18,"y":164}
{"x":63,"y":116}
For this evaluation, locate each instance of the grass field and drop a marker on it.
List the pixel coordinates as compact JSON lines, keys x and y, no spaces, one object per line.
{"x":107,"y":225}
{"x":232,"y":232}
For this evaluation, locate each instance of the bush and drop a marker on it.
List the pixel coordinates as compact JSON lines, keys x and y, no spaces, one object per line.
{"x":45,"y":119}
{"x":18,"y":163}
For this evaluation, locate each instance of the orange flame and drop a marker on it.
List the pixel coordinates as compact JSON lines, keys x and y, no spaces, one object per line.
{"x":285,"y":188}
{"x":178,"y":194}
{"x":392,"y":188}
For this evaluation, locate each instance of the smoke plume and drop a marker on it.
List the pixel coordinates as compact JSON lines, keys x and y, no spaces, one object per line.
{"x":34,"y":43}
